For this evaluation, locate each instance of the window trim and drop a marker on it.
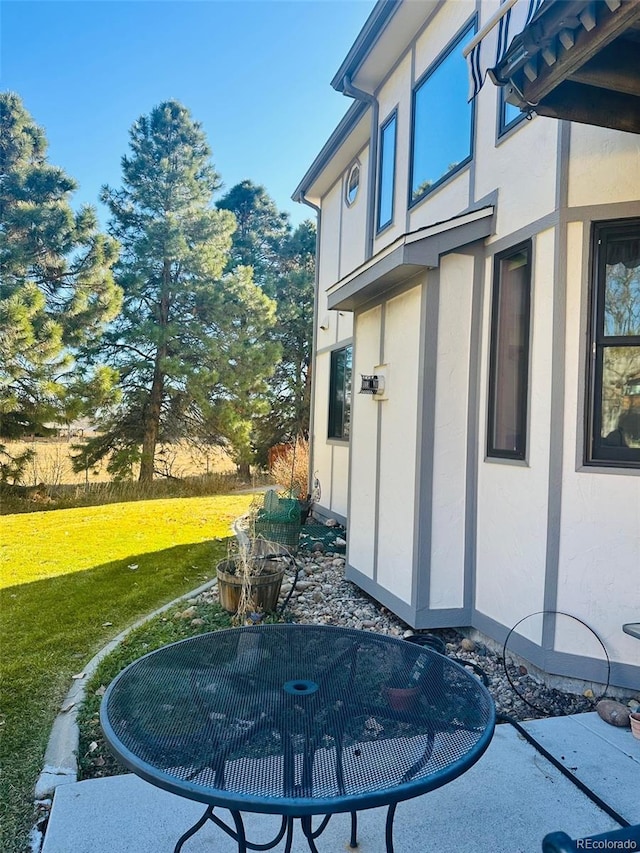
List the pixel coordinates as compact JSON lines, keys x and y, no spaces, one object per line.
{"x":355,"y":165}
{"x":598,"y":342}
{"x":332,"y":436}
{"x":495,"y":452}
{"x":505,"y":128}
{"x":468,"y":29}
{"x":392,"y":117}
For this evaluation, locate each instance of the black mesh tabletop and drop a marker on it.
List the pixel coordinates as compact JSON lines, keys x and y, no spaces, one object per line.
{"x":297,"y":719}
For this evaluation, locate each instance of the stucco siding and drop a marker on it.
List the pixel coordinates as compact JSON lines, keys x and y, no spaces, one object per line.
{"x":599,"y":567}
{"x":512,"y":497}
{"x":364,"y":452}
{"x":527,"y":183}
{"x":449,"y":19}
{"x":396,"y":93}
{"x":354,"y":221}
{"x":398,"y":444}
{"x":450,"y":447}
{"x":321,"y":450}
{"x":604,"y":166}
{"x":443,"y":203}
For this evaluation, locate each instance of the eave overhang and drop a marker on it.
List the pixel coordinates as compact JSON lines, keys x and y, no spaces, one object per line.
{"x":407,"y":256}
{"x":578,"y":60}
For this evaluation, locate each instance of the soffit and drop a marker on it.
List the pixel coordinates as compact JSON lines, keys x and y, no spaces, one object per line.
{"x":368,"y":70}
{"x":342,"y":147}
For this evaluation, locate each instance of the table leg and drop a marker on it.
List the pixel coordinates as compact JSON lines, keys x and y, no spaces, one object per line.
{"x":208,"y":815}
{"x":354,"y":830}
{"x":389,"y":827}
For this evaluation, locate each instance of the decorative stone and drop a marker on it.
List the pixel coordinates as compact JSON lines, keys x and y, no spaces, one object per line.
{"x":189,"y":613}
{"x":467,"y":645}
{"x":614,"y":713}
{"x":318,"y":548}
{"x":331,"y":522}
{"x":197,"y":621}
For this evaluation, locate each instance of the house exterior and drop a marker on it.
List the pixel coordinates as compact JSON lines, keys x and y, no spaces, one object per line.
{"x":476,"y":403}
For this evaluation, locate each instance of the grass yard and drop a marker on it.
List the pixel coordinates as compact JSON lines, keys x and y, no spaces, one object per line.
{"x":71,"y":580}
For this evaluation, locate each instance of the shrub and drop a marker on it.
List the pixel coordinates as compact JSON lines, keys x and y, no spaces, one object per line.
{"x":290,"y":468}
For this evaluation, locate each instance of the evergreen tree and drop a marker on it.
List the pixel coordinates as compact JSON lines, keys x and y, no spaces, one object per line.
{"x":260,"y":233}
{"x":56,"y":283}
{"x":290,"y":388}
{"x":189,"y":344}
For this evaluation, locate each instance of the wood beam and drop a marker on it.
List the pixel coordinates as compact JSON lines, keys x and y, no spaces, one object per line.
{"x":592,"y":105}
{"x":616,"y":67}
{"x":587,"y":45}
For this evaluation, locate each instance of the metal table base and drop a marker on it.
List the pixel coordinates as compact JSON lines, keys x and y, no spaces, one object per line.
{"x":286,"y":829}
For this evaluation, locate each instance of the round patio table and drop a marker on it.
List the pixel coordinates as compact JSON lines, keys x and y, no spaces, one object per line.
{"x":297,"y":721}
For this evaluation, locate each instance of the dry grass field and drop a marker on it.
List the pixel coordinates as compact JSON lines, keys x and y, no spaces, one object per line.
{"x":52,"y":466}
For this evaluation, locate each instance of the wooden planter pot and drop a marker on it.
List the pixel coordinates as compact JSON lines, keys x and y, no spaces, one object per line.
{"x":264,"y":586}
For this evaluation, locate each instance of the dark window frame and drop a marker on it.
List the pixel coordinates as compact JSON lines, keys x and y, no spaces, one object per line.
{"x":339,"y":421}
{"x":350,"y":171}
{"x":393,"y":117}
{"x":596,"y":453}
{"x":468,"y":29}
{"x":520,"y":452}
{"x":505,"y":126}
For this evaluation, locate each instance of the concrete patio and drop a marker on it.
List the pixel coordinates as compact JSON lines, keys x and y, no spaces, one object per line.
{"x":506,"y":803}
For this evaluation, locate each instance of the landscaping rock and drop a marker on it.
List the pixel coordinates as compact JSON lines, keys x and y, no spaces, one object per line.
{"x":467,"y":645}
{"x":614,"y":713}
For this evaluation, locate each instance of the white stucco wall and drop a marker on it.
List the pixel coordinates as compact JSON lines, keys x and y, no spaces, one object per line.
{"x":321,"y":450}
{"x":593,"y":179}
{"x":445,"y":24}
{"x":513,"y":496}
{"x":396,"y":93}
{"x":450,"y":449}
{"x":599,"y":569}
{"x":399,"y":421}
{"x":364,"y":475}
{"x":354,"y":221}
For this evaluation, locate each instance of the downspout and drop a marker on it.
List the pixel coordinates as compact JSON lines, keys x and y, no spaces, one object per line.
{"x":360,"y":95}
{"x":316,"y":292}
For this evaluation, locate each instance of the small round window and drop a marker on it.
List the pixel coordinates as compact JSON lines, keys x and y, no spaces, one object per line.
{"x":353,"y":183}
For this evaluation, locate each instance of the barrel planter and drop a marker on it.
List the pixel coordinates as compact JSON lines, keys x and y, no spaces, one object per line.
{"x":264,"y":584}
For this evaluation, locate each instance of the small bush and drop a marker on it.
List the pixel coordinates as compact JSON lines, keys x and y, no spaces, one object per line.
{"x":290,"y":469}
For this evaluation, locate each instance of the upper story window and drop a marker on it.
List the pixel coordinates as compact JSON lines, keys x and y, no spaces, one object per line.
{"x":510,"y":116}
{"x":509,"y":364}
{"x":340,"y":393}
{"x":387,"y":171}
{"x":613,"y":402}
{"x":442,"y":121}
{"x":352,"y":185}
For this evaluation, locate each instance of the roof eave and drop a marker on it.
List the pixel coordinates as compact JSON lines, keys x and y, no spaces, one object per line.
{"x":368,"y":36}
{"x":346,"y":125}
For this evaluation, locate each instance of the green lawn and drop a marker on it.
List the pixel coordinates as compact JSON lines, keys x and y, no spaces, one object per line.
{"x":71,"y":580}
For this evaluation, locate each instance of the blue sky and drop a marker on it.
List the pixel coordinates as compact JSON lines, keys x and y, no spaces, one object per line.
{"x":254,"y":74}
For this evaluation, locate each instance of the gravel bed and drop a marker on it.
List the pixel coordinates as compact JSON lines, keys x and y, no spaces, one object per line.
{"x":323,"y":596}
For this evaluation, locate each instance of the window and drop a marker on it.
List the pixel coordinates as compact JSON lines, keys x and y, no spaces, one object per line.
{"x":510,"y":116}
{"x":442,"y":122}
{"x":387,"y":171}
{"x":613,"y":404}
{"x":340,"y":394}
{"x":509,"y":365}
{"x":353,"y":183}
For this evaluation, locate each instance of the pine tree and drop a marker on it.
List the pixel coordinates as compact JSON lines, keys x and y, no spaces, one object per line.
{"x":189,"y":344}
{"x":260,"y":233}
{"x":56,"y":284}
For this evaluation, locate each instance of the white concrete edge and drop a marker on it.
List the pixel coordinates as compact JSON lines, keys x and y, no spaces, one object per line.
{"x":61,"y":755}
